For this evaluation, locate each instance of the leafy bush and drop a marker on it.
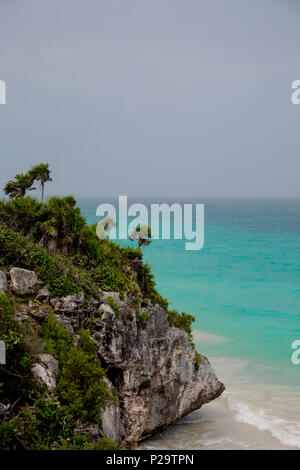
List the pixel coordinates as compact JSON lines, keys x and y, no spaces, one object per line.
{"x":15,"y":376}
{"x":183,"y":320}
{"x":62,"y":286}
{"x":143,"y":317}
{"x":7,"y":434}
{"x":80,"y":386}
{"x":113,"y":305}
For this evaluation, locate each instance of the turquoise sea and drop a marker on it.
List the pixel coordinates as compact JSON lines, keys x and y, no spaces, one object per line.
{"x":243,"y":288}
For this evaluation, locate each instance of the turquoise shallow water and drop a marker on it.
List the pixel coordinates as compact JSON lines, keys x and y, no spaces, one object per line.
{"x":243,"y":289}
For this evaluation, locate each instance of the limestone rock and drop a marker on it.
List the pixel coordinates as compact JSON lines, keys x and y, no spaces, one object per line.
{"x":111,"y":423}
{"x":106,"y":309}
{"x":114,"y":295}
{"x":46,"y":371}
{"x":153,"y":368}
{"x":3,"y":282}
{"x":66,"y":323}
{"x":43,"y":295}
{"x":69,"y":304}
{"x":24,"y":281}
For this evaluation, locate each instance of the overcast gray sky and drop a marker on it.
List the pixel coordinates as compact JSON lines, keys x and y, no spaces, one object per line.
{"x":152,"y":97}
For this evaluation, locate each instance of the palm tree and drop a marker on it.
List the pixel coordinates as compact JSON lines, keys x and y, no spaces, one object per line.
{"x":63,"y":225}
{"x":141,"y":233}
{"x":23,"y":182}
{"x":41,"y":173}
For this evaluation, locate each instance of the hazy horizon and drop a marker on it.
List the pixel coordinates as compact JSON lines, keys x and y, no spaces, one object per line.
{"x":152,"y":98}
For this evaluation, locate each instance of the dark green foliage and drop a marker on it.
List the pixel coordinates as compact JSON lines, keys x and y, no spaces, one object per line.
{"x":21,"y":214}
{"x":133,"y":253}
{"x":158,"y":299}
{"x":7,"y":434}
{"x":57,"y":221}
{"x":62,"y":286}
{"x":15,"y":376}
{"x":46,"y":422}
{"x":145,"y":278}
{"x":111,"y":278}
{"x":198,"y":359}
{"x":81,"y":393}
{"x":183,"y":320}
{"x":40,"y":173}
{"x":113,"y":305}
{"x":56,"y":270}
{"x":143,"y":317}
{"x":80,"y":386}
{"x":80,"y":442}
{"x":53,"y":239}
{"x":24,"y":182}
{"x":18,"y":187}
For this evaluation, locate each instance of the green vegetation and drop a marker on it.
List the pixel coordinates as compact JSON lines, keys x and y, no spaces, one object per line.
{"x":143,"y":317}
{"x":113,"y":305}
{"x":19,"y":186}
{"x":15,"y":379}
{"x":52,"y":238}
{"x":183,"y":320}
{"x":40,"y":173}
{"x":80,"y":395}
{"x":24,"y":181}
{"x":62,"y":286}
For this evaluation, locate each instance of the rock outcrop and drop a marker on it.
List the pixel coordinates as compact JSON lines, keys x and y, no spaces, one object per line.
{"x":157,"y":375}
{"x":23,"y":281}
{"x":43,"y":295}
{"x":67,"y":305}
{"x":154,"y":369}
{"x":45,"y":371}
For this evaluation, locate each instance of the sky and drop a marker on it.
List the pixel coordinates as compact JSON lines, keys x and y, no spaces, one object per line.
{"x":164,"y":98}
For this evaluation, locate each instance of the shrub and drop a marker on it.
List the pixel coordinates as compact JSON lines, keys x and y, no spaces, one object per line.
{"x":143,"y":318}
{"x":113,"y":305}
{"x":15,"y":376}
{"x":7,"y":434}
{"x":183,"y":320}
{"x":80,"y":386}
{"x":62,"y":286}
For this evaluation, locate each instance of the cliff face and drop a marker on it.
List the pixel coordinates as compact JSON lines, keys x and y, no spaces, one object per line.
{"x":152,"y":367}
{"x":94,"y":354}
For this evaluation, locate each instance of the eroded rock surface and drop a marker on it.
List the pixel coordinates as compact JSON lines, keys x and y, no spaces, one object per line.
{"x":69,"y":304}
{"x":46,"y":370}
{"x":153,"y":367}
{"x":23,"y":281}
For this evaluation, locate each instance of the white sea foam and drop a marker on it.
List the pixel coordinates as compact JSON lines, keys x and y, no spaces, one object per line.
{"x":287,"y":432}
{"x":250,"y":414}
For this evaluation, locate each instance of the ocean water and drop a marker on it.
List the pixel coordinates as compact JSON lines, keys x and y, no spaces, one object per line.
{"x":243,"y":288}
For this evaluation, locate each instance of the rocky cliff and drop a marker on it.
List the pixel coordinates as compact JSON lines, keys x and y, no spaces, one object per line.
{"x":95,"y":357}
{"x":153,"y":368}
